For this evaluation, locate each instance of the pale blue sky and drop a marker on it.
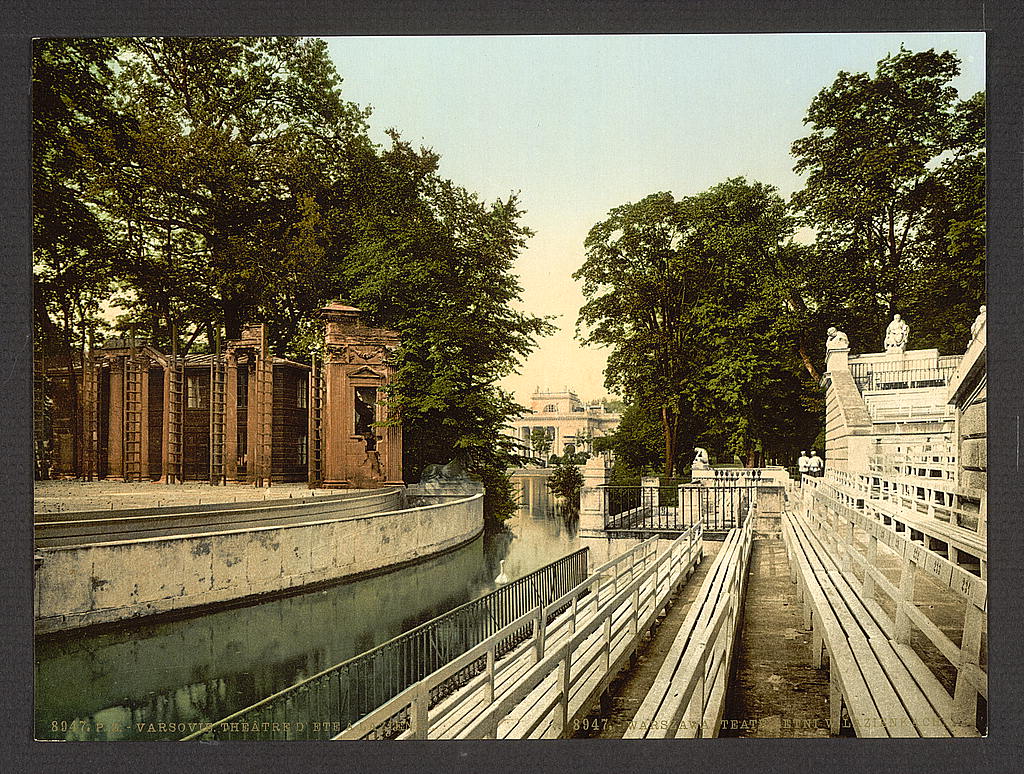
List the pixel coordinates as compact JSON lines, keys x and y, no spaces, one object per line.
{"x":581,"y":124}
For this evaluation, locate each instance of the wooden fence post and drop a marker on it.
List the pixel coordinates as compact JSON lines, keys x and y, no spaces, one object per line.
{"x":868,"y":587}
{"x":418,"y":713}
{"x":490,"y":675}
{"x":902,"y":624}
{"x":564,"y":683}
{"x":539,"y":633}
{"x":965,"y":695}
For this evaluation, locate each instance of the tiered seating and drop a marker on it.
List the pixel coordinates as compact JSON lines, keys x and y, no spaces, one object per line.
{"x":886,"y":687}
{"x":688,"y":695}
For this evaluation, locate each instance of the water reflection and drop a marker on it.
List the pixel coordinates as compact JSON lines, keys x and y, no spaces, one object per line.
{"x":142,"y":681}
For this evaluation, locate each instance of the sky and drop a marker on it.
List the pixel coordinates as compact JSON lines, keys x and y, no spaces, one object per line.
{"x":578,"y":125}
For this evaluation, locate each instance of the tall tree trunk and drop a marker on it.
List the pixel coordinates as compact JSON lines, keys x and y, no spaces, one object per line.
{"x":670,"y":427}
{"x":232,"y":319}
{"x":802,"y":349}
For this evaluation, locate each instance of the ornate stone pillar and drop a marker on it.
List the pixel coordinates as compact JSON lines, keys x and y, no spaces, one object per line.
{"x":359,"y":450}
{"x":231,"y":417}
{"x":115,"y":420}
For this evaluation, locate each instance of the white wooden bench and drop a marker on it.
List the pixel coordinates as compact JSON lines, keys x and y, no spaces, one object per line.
{"x":687,"y":698}
{"x":884,"y":683}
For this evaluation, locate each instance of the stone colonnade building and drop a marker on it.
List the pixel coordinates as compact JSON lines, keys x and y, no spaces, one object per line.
{"x":237,"y":415}
{"x":565,"y":419}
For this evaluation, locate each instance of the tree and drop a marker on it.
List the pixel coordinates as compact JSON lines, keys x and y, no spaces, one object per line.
{"x":71,"y":249}
{"x":893,"y":164}
{"x":690,"y":297}
{"x":637,"y":282}
{"x":244,"y":188}
{"x":566,"y":481}
{"x":540,"y":441}
{"x":216,"y":186}
{"x":637,"y":441}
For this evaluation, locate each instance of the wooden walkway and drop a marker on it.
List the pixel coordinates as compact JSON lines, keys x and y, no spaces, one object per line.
{"x":577,"y":646}
{"x":688,"y":696}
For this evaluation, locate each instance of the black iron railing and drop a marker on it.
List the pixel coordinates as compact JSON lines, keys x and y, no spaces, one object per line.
{"x":322,"y":706}
{"x":664,"y":509}
{"x":867,"y":377}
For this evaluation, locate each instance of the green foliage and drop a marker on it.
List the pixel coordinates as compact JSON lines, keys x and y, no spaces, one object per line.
{"x":233,"y":184}
{"x":540,"y":442}
{"x":894,"y":188}
{"x":566,"y":481}
{"x":692,"y":296}
{"x":636,"y":442}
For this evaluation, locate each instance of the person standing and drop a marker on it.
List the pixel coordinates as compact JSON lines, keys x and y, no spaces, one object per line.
{"x":817,"y":464}
{"x":803,"y":465}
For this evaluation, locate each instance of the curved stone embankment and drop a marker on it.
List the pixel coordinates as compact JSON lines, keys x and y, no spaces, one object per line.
{"x":97,"y":583}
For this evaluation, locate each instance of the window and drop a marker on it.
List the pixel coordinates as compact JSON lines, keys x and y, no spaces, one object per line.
{"x":303,"y":448}
{"x":243,"y":388}
{"x":192,"y":388}
{"x":526,"y":433}
{"x":366,"y":409}
{"x":302,"y":392}
{"x":551,"y":408}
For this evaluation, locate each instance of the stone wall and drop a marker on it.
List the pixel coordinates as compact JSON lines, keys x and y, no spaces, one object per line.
{"x":100,"y":583}
{"x":846,"y":421}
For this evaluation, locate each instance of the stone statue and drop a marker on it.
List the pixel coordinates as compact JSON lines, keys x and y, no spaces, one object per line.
{"x":896,"y":335}
{"x":836,"y":340}
{"x":701,"y":461}
{"x":978,"y":323}
{"x":453,"y":471}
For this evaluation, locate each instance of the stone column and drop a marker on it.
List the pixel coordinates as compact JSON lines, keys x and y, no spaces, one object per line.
{"x":650,"y":491}
{"x":592,"y":504}
{"x":231,"y":417}
{"x":357,"y":356}
{"x":165,"y":428}
{"x":144,"y":425}
{"x":252,"y":416}
{"x":115,"y":421}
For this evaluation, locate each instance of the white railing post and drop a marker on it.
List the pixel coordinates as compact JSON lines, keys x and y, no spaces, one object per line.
{"x":539,"y":633}
{"x":564,"y":683}
{"x":490,"y":675}
{"x":636,"y":610}
{"x":418,"y":712}
{"x":868,"y":587}
{"x":965,"y":694}
{"x":608,"y":642}
{"x":902,"y":624}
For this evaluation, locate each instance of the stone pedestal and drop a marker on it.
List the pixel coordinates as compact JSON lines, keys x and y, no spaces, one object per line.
{"x":768,"y":516}
{"x":595,"y":476}
{"x":357,"y":369}
{"x":649,"y":492}
{"x":838,"y":360}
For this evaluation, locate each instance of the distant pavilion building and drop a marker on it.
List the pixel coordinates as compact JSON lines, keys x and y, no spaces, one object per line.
{"x":568,"y":422}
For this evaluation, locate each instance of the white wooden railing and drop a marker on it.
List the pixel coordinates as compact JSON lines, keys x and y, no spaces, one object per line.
{"x":579,"y":642}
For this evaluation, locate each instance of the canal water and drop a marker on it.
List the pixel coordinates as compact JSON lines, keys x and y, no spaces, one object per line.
{"x":124,"y":683}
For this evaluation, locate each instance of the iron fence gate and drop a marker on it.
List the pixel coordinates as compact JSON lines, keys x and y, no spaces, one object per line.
{"x":674,"y":509}
{"x":322,"y":706}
